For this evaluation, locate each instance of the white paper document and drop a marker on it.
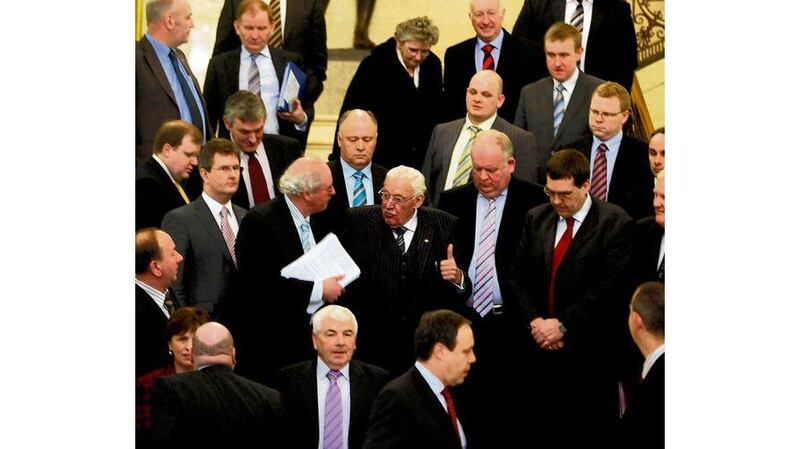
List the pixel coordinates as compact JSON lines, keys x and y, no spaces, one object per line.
{"x":326,"y":259}
{"x":292,"y":90}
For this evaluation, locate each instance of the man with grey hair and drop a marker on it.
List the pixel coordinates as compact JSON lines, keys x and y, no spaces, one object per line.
{"x":407,"y":266}
{"x":268,"y":305}
{"x":166,"y":89}
{"x":401,"y":82}
{"x":213,"y":406}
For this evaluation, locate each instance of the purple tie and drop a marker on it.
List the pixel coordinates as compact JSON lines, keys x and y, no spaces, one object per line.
{"x":332,"y":438}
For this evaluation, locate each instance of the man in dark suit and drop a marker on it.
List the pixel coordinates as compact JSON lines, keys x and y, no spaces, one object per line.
{"x":611,"y":39}
{"x":643,"y":422}
{"x":620,"y":170}
{"x":648,"y":244}
{"x":416,"y":410}
{"x":264,"y":157}
{"x":255,"y":67}
{"x":157,"y":263}
{"x":308,"y":388}
{"x":355,"y":177}
{"x":518,"y":61}
{"x":491,"y":212}
{"x":556,"y":108}
{"x":213,"y":407}
{"x":568,"y":283}
{"x":406,"y":96}
{"x":447,"y":160}
{"x":205,"y":230}
{"x":158,"y":179}
{"x":407,"y":267}
{"x":268,"y":305}
{"x":166,"y":89}
{"x":302,"y":31}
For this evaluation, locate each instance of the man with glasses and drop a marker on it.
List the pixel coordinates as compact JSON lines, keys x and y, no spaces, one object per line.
{"x":569,"y":284}
{"x":407,"y":266}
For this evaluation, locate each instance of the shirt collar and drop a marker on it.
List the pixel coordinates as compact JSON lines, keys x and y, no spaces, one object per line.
{"x":484,"y":125}
{"x":348,"y":170}
{"x":611,"y":143}
{"x":651,"y":360}
{"x":433,"y":382}
{"x":322,"y":370}
{"x":158,"y":46}
{"x":496,"y":42}
{"x":411,"y":224}
{"x":570,"y":82}
{"x":297,"y":217}
{"x":215,"y":206}
{"x":164,"y":166}
{"x":245,"y":53}
{"x":152,"y":291}
{"x":582,"y":212}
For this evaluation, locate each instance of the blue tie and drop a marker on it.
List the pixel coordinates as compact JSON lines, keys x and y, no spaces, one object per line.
{"x":359,"y":193}
{"x":197,"y":119}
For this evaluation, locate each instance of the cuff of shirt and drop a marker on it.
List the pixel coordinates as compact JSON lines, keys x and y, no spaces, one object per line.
{"x":302,"y":126}
{"x":315,"y":301}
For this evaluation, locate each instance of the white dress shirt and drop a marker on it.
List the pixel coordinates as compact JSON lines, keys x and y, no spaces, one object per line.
{"x":461,"y":145}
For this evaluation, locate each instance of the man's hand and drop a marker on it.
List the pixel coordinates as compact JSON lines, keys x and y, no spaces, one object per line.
{"x":449,"y":269}
{"x":331,"y":289}
{"x":546,"y":333}
{"x":298,"y":116}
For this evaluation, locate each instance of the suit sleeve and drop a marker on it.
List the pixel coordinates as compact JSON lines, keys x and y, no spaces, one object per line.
{"x":176,"y":229}
{"x":521,"y":117}
{"x":389,"y":426}
{"x":427,"y":168}
{"x":527,"y":25}
{"x":226,"y":35}
{"x":520,"y":303}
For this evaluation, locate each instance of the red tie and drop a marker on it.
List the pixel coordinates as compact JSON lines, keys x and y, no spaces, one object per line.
{"x":488,"y":60}
{"x":257,"y":181}
{"x":599,"y":173}
{"x":451,"y":410}
{"x":558,"y":255}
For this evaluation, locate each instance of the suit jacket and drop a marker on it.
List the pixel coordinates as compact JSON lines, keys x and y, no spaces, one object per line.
{"x":643,"y":422}
{"x":205,"y":275}
{"x":222,"y":81}
{"x":407,"y":414}
{"x":298,"y":386}
{"x":332,"y":218}
{"x":646,"y":248}
{"x":214,"y":407}
{"x":631,"y":186}
{"x":151,"y":345}
{"x":442,"y":145}
{"x":303,"y":32}
{"x":535,"y":113}
{"x":281,"y":152}
{"x":521,"y":62}
{"x":406,"y":114}
{"x":611,"y":51}
{"x":155,"y":101}
{"x":155,"y":194}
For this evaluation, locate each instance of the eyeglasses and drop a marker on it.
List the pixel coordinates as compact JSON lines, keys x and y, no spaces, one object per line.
{"x":562,"y":195}
{"x":398,"y":200}
{"x":605,"y":115}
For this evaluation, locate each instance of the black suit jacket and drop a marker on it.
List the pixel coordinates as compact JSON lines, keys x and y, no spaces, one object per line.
{"x":407,"y":414}
{"x":214,"y":407}
{"x":521,"y":62}
{"x":611,"y":48}
{"x":332,"y":218}
{"x":298,"y":385}
{"x":155,"y":194}
{"x":155,"y":101}
{"x":222,"y":81}
{"x":643,"y":422}
{"x":646,"y":248}
{"x":151,"y":344}
{"x":281,"y":152}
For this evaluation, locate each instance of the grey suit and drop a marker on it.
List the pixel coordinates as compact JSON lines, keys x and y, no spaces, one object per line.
{"x":535,"y":113}
{"x":204,"y":277}
{"x":442,"y":145}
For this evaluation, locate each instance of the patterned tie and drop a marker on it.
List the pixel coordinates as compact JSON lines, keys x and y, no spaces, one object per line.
{"x":464,"y":169}
{"x":558,"y":107}
{"x":359,"y":193}
{"x":577,"y":17}
{"x":488,"y":59}
{"x":194,"y":111}
{"x":399,"y":239}
{"x":258,"y":183}
{"x":599,"y":174}
{"x":483,"y":300}
{"x":183,"y":194}
{"x":254,"y":76}
{"x":558,"y":255}
{"x":451,"y":410}
{"x":227,"y":233}
{"x":332,"y":437}
{"x":305,"y":236}
{"x":170,"y":303}
{"x":276,"y":40}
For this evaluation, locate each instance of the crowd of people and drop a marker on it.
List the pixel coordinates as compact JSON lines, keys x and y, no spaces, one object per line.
{"x":508,"y":231}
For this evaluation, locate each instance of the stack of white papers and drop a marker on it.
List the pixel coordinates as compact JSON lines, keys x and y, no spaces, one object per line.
{"x":325,"y":260}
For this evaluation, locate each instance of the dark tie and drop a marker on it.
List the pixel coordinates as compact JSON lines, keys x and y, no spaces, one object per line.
{"x":488,"y":59}
{"x":558,"y":255}
{"x":600,"y":174}
{"x":332,"y":434}
{"x":257,"y":180}
{"x":451,"y":410}
{"x":401,"y":242}
{"x":197,"y":119}
{"x":170,"y":303}
{"x":577,"y":17}
{"x":661,"y":270}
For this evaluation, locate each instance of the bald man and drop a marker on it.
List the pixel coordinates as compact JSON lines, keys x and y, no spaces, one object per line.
{"x":451,"y":142}
{"x":213,"y":407}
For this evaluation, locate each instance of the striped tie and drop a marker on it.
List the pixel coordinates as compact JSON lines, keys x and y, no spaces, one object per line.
{"x":254,"y":77}
{"x":399,"y":239}
{"x":359,"y":193}
{"x":483,"y":300}
{"x":577,"y":17}
{"x":488,"y":59}
{"x":332,"y":434}
{"x":305,"y":236}
{"x":599,"y":174}
{"x":558,"y":107}
{"x":227,"y":233}
{"x":464,"y":169}
{"x":276,"y":40}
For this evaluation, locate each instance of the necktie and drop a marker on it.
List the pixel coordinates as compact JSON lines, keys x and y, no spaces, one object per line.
{"x":488,"y":59}
{"x":276,"y":40}
{"x":661,"y":270}
{"x":599,"y":174}
{"x":484,"y":268}
{"x":170,"y":302}
{"x":194,"y":111}
{"x":305,"y":236}
{"x":558,"y":255}
{"x":227,"y":233}
{"x":577,"y":17}
{"x":399,"y":239}
{"x":332,"y":437}
{"x":183,"y":194}
{"x":464,"y":169}
{"x":451,"y":410}
{"x":254,"y":76}
{"x":558,"y":107}
{"x":258,"y":183}
{"x":359,"y":193}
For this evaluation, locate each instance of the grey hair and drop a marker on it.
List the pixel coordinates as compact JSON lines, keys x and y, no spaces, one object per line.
{"x":500,"y":139}
{"x":293,"y":184}
{"x":417,"y":29}
{"x":333,"y":312}
{"x":412,"y":175}
{"x":155,"y":10}
{"x":245,"y":106}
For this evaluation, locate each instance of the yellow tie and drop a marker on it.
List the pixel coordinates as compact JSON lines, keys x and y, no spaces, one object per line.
{"x":183,"y":194}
